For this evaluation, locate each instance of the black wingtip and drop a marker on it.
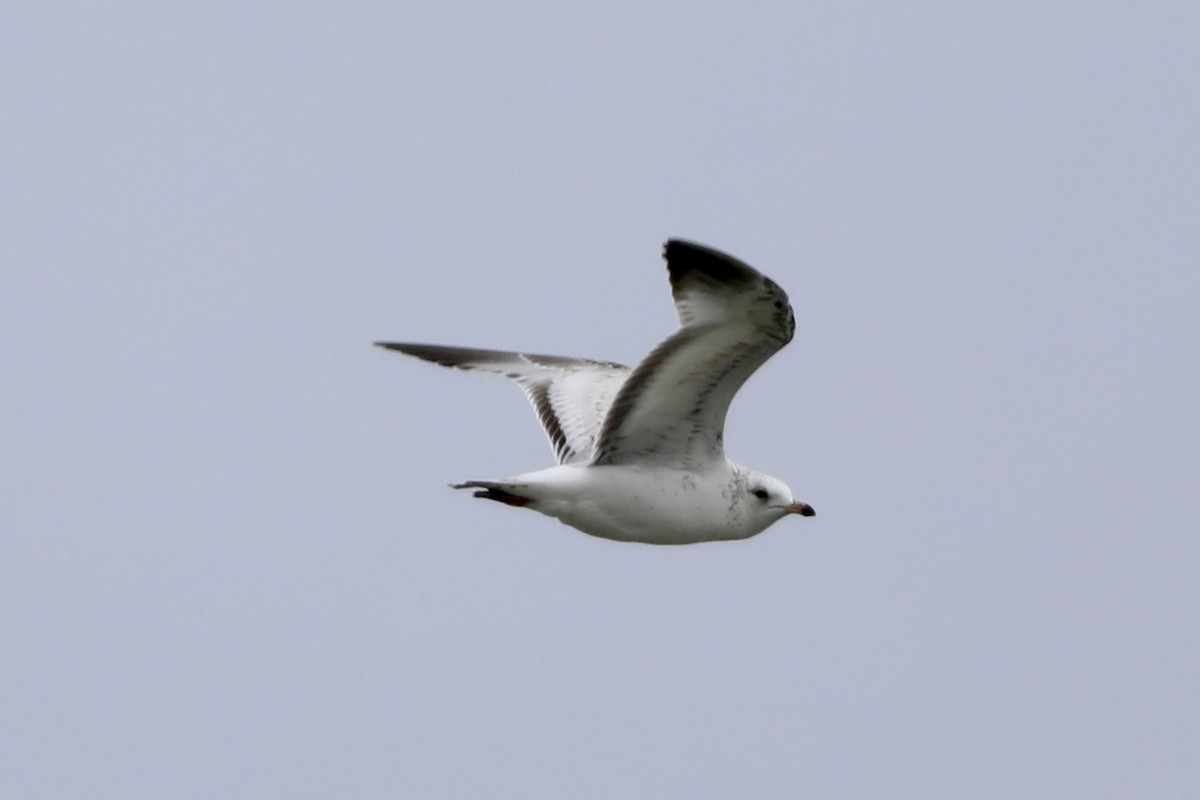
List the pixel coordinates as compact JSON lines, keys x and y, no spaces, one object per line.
{"x":438,"y":354}
{"x":684,"y":257}
{"x":429,"y":352}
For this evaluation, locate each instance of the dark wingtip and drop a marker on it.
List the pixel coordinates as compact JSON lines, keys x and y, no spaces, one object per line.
{"x":684,"y":257}
{"x":438,"y":354}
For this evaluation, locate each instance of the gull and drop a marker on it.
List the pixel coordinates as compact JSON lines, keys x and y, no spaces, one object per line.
{"x":640,"y":452}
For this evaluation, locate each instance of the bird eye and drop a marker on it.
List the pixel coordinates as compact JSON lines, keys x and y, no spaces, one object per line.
{"x":761,"y":493}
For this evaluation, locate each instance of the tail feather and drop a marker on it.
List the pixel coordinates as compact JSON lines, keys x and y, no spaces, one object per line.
{"x":490,"y":490}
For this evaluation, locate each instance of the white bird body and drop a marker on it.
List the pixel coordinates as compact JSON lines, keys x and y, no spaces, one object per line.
{"x":657,"y":505}
{"x":640,"y":452}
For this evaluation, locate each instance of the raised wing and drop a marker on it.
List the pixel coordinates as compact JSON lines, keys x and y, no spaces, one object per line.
{"x":571,"y":395}
{"x":672,"y":408}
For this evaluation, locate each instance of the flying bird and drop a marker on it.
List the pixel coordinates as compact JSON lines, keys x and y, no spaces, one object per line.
{"x":640,"y":452}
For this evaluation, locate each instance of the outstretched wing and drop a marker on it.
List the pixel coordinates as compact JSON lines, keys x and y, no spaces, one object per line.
{"x":672,"y":408}
{"x":571,"y":395}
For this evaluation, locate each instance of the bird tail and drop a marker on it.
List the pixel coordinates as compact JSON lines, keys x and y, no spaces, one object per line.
{"x":491,"y":490}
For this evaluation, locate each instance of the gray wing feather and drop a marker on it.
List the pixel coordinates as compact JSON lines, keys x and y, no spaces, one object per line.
{"x":570,"y":395}
{"x":672,"y":408}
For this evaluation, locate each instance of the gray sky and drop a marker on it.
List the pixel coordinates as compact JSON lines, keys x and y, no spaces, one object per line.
{"x":232,"y":567}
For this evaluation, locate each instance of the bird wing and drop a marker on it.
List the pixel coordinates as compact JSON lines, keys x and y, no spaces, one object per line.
{"x":570,"y":395}
{"x":671,"y":409}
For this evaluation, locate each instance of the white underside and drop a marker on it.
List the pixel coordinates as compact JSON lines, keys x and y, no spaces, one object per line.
{"x":642,"y":504}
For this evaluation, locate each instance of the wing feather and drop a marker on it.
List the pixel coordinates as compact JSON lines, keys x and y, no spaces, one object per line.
{"x":672,"y":408}
{"x":570,"y":395}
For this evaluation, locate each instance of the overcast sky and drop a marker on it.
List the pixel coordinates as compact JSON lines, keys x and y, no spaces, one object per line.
{"x":231,"y":564}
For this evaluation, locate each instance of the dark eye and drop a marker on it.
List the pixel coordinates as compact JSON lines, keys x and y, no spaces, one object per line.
{"x":761,"y":494}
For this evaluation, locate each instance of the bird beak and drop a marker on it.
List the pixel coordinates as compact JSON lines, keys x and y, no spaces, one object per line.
{"x":803,"y":509}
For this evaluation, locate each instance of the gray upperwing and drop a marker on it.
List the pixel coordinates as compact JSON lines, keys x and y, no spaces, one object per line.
{"x":672,"y":408}
{"x":570,"y":395}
